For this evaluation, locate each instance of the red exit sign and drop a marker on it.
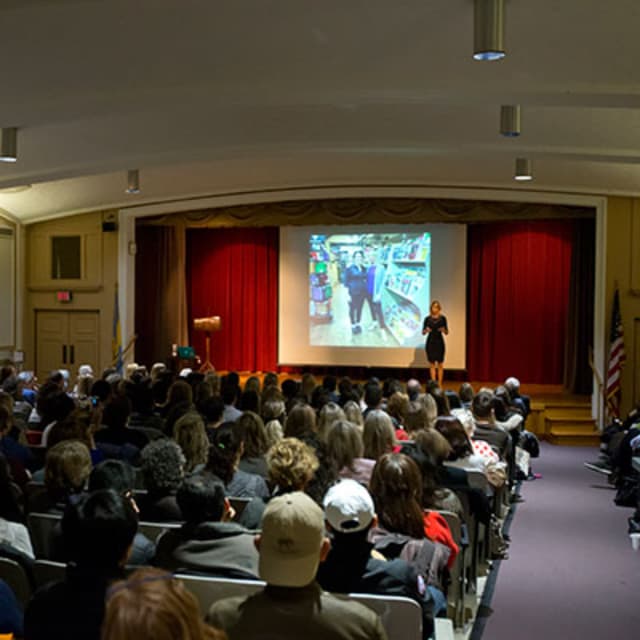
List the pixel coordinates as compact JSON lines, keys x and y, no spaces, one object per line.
{"x":64,"y":296}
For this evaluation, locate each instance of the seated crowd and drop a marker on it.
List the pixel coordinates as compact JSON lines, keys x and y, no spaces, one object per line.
{"x":323,"y":488}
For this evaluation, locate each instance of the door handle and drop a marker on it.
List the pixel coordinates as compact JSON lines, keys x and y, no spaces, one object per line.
{"x":64,"y":354}
{"x":73,"y":354}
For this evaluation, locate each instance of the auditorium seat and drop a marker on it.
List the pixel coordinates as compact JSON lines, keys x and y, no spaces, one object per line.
{"x":16,"y":577}
{"x":153,"y":530}
{"x":401,"y":617}
{"x":41,"y":527}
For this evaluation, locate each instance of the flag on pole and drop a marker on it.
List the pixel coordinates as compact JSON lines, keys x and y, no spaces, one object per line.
{"x":116,"y":337}
{"x":617,"y":358}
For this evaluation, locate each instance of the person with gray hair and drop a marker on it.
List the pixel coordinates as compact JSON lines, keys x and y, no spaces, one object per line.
{"x":523,"y":403}
{"x":162,"y":463}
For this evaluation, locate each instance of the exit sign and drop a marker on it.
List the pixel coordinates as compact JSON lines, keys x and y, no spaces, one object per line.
{"x":64,"y":296}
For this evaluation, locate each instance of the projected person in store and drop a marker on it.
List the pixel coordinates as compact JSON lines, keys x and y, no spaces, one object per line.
{"x":356,"y":283}
{"x":435,"y":328}
{"x":375,"y":281}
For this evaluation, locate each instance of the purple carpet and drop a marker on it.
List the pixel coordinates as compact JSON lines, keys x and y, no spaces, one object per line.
{"x":571,"y":572}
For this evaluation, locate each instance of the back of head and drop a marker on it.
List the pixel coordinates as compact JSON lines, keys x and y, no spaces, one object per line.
{"x":253,"y":434}
{"x":270,"y":380}
{"x":466,"y":392}
{"x":190,"y":433}
{"x":330,"y":413}
{"x":180,"y":391}
{"x":396,"y":486}
{"x":434,"y":444}
{"x":372,"y":395}
{"x":352,"y":413}
{"x":162,"y":463}
{"x":112,"y":474}
{"x":201,"y":498}
{"x":398,"y":406}
{"x":442,"y":403}
{"x":453,"y":431}
{"x":414,"y":389}
{"x":55,"y":406}
{"x":291,"y":464}
{"x":67,"y":468}
{"x":513,"y":385}
{"x":301,"y":420}
{"x":330,"y":383}
{"x":378,"y":435}
{"x":482,"y":405}
{"x":416,"y":419}
{"x":153,"y":605}
{"x":292,"y":540}
{"x":290,"y":388}
{"x":116,"y":412}
{"x":225,"y":451}
{"x":344,"y":443}
{"x":212,"y":409}
{"x":99,"y":529}
{"x":229,"y":393}
{"x":249,"y":401}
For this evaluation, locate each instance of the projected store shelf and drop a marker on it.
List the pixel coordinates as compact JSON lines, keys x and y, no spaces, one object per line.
{"x":368,"y":290}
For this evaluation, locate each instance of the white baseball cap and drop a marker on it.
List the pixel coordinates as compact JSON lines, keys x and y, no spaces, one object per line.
{"x":348,"y":507}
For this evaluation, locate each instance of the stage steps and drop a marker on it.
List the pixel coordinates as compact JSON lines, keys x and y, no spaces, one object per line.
{"x":565,"y":421}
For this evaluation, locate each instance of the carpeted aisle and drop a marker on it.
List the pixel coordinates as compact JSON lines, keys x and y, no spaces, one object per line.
{"x":572,"y":574}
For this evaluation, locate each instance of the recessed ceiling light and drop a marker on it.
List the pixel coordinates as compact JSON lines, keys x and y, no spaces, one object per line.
{"x":9,"y":144}
{"x":488,"y":40}
{"x":524,"y":171}
{"x":133,"y":181}
{"x":510,"y":120}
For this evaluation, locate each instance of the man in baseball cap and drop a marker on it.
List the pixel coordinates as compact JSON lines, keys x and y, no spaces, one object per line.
{"x":352,"y":566}
{"x":292,"y":605}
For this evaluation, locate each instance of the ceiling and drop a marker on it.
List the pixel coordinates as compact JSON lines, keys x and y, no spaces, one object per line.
{"x":216,"y":97}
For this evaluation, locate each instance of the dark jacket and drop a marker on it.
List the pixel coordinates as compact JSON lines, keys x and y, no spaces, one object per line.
{"x":159,"y":508}
{"x":350,"y":569}
{"x":71,"y":609}
{"x":223,"y":549}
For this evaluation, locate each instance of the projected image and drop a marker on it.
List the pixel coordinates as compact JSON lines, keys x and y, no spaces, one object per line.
{"x":369,"y":289}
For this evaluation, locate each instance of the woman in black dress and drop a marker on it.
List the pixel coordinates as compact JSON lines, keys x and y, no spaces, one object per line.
{"x":435,"y":328}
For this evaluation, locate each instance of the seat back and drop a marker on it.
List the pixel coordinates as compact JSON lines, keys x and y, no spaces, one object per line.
{"x":401,"y":617}
{"x":153,"y":530}
{"x":41,"y":527}
{"x":16,"y":577}
{"x":48,"y":571}
{"x":35,"y":495}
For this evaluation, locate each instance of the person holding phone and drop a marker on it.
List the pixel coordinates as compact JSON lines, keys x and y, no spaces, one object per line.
{"x":435,"y":328}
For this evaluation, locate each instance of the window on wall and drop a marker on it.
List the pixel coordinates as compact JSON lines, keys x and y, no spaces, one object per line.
{"x":65,"y":258}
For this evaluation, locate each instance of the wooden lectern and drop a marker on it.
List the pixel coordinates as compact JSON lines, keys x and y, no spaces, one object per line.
{"x":208,"y":325}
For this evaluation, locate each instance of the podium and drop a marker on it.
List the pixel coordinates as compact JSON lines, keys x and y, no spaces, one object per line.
{"x":208,"y":325}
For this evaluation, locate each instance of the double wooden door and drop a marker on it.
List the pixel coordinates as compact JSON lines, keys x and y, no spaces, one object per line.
{"x":65,"y":340}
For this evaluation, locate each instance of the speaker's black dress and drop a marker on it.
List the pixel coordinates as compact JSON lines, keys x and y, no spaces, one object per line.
{"x":434,"y":345}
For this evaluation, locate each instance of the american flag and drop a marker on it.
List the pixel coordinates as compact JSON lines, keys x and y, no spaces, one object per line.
{"x":617,"y":358}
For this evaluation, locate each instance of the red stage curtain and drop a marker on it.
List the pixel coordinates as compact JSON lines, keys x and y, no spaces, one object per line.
{"x":233,"y":273}
{"x":518,"y":298}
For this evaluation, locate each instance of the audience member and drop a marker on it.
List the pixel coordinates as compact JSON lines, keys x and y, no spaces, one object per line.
{"x":345,"y":448}
{"x":274,"y":433}
{"x":256,"y":444}
{"x":372,"y":397}
{"x":353,"y":414}
{"x":351,"y":565}
{"x":162,"y":464}
{"x":11,"y":616}
{"x":120,"y":476}
{"x":224,"y":460}
{"x":208,"y":542}
{"x":291,"y":465}
{"x":292,"y":605}
{"x":300,"y":421}
{"x":378,"y":435}
{"x":327,"y":416}
{"x":12,"y":529}
{"x":190,"y":434}
{"x":396,"y":487}
{"x":98,"y":532}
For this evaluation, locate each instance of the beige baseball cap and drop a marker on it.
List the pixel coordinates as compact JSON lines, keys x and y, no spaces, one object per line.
{"x":292,"y":535}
